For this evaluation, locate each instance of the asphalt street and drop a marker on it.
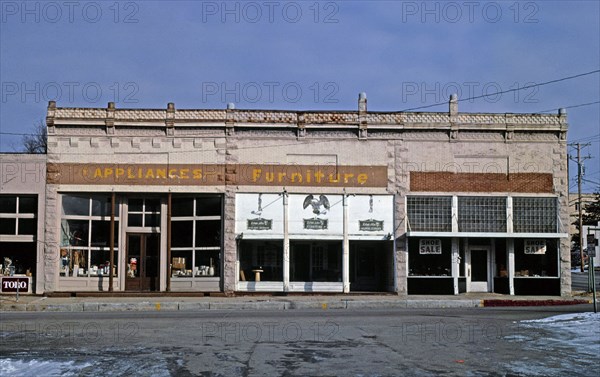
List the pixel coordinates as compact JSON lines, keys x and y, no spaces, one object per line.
{"x":579,"y":281}
{"x":413,"y":342}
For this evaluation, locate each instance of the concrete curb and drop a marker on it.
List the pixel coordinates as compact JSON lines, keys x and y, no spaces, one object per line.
{"x":332,"y":304}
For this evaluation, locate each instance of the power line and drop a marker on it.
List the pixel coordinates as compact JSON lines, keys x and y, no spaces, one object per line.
{"x":586,"y":138}
{"x":570,"y":107}
{"x":509,"y":90}
{"x":17,"y":134}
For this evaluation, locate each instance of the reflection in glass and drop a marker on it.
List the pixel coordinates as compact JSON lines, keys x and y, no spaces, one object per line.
{"x":208,"y":206}
{"x":27,"y":204}
{"x":8,"y":204}
{"x":75,"y":205}
{"x":182,"y":233}
{"x":208,"y":233}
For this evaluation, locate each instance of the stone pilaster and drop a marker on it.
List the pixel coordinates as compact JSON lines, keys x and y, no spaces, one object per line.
{"x":52,"y":239}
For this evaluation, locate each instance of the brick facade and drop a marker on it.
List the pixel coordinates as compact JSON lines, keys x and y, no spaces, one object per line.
{"x":481,"y":182}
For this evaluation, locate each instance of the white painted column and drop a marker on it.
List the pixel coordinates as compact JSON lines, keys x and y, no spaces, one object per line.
{"x":346,"y":249}
{"x":455,"y":262}
{"x":467,"y":266}
{"x":286,"y":244}
{"x":455,"y":214}
{"x":509,"y":215}
{"x":510,"y":246}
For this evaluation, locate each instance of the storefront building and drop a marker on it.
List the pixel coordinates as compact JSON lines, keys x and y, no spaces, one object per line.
{"x":22,"y":211}
{"x":284,"y":201}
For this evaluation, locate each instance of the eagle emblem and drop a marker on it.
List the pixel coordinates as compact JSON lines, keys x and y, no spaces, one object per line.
{"x":316,"y":204}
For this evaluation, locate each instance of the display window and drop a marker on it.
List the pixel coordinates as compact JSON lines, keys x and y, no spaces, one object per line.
{"x":85,"y":236}
{"x":536,"y":258}
{"x":196,"y":238}
{"x":261,"y":260}
{"x":18,"y":233}
{"x":316,"y":261}
{"x":430,"y":257}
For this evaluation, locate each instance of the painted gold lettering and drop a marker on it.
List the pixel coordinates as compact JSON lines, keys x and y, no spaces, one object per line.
{"x":149,"y":173}
{"x":119,"y":172}
{"x":108,"y":172}
{"x":319,"y":175}
{"x":98,"y":173}
{"x":130,"y":173}
{"x":172,"y":173}
{"x":197,"y":173}
{"x":256,"y":173}
{"x":280,"y":176}
{"x":362,"y":178}
{"x":184,"y":173}
{"x":347,"y":177}
{"x":270,"y":177}
{"x":297,"y":176}
{"x":161,"y":173}
{"x":334,"y":180}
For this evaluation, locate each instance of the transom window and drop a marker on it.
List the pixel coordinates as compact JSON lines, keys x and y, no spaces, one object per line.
{"x":481,"y":214}
{"x":143,"y":213}
{"x":430,"y":213}
{"x":535,"y":215}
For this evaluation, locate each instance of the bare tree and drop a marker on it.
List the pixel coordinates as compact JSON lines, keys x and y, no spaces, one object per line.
{"x":37,"y":140}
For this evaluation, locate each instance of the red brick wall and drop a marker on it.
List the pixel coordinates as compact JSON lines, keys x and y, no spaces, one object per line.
{"x":481,"y":182}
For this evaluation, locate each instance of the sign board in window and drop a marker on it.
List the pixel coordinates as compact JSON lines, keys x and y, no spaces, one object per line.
{"x":370,"y":225}
{"x":430,"y":246}
{"x":535,"y":246}
{"x":260,"y":224}
{"x":315,"y":224}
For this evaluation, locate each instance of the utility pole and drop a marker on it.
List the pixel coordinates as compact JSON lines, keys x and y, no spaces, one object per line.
{"x":579,"y":162}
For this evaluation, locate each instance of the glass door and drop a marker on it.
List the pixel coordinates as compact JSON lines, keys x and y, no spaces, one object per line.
{"x":143,"y":254}
{"x":479,"y":270}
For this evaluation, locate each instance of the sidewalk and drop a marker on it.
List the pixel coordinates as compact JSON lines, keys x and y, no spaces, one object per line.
{"x":267,"y":302}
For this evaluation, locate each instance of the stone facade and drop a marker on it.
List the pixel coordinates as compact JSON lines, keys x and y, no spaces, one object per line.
{"x":470,"y":144}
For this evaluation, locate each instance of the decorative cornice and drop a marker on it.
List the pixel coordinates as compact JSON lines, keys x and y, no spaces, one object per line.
{"x":169,"y":120}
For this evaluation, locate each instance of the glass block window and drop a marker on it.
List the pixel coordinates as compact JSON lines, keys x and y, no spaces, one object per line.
{"x":429,"y":213}
{"x":535,"y":215}
{"x":196,"y":225}
{"x":85,"y":236}
{"x":481,"y":214}
{"x":18,"y":215}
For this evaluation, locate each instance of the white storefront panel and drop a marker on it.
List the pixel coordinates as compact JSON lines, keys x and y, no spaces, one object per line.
{"x":259,"y":215}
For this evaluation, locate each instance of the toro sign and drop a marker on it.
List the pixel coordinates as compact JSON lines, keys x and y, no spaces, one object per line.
{"x":10,"y":284}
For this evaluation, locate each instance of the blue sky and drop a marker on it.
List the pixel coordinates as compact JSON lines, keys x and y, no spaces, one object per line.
{"x":301,"y":55}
